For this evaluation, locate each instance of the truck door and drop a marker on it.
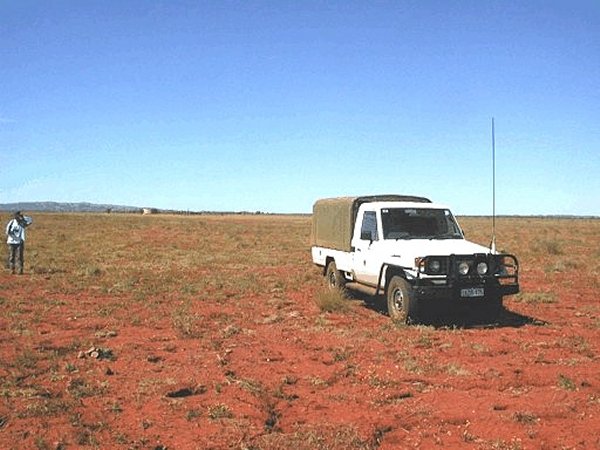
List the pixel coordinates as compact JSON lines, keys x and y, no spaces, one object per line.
{"x":366,"y":243}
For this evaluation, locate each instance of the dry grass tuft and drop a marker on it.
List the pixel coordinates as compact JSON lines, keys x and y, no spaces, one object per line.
{"x":220,"y":411}
{"x":566,"y":383}
{"x":332,"y":300}
{"x":186,"y":322}
{"x":549,"y":246}
{"x":536,"y":297}
{"x":526,"y":418}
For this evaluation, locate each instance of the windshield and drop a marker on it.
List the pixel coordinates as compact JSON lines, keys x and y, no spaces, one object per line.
{"x":419,"y":223}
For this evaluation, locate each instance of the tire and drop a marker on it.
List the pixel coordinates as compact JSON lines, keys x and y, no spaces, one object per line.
{"x":400,"y":301}
{"x":335,"y":278}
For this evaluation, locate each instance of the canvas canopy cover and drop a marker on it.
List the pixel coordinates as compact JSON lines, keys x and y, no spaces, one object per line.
{"x":333,"y":218}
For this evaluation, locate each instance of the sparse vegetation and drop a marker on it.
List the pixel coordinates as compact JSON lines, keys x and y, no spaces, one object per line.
{"x":193,"y":414}
{"x":219,"y":411}
{"x":332,"y":300}
{"x":526,"y":418}
{"x":186,"y":323}
{"x":549,"y":246}
{"x":566,"y":383}
{"x":536,"y":297}
{"x":222,"y":325}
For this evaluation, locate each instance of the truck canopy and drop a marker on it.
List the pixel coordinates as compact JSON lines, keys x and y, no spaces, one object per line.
{"x":333,"y":219}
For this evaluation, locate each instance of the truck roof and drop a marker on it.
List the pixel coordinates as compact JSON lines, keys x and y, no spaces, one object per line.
{"x":375,"y":198}
{"x":386,"y":204}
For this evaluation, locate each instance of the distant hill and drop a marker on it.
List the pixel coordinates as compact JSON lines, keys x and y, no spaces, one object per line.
{"x":66,"y":207}
{"x":85,"y":207}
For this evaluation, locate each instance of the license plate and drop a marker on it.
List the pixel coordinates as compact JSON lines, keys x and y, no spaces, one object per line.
{"x":472,"y":292}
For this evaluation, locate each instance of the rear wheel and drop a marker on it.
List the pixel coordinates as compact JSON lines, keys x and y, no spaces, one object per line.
{"x":335,"y":278}
{"x":400,"y":301}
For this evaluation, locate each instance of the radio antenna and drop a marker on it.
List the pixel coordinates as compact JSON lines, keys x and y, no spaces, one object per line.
{"x":493,"y":243}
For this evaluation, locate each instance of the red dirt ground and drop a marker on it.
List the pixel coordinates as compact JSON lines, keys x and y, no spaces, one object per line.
{"x":270,"y":370}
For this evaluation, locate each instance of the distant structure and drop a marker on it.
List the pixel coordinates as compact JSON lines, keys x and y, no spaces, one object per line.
{"x":146,"y":211}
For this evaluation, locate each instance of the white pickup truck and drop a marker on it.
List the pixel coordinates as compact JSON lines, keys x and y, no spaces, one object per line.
{"x":411,"y":250}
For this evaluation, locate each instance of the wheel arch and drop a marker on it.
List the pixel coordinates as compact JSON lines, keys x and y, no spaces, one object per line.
{"x":328,"y":260}
{"x":389,"y":271}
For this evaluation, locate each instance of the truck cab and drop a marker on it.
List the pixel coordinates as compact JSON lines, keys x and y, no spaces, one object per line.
{"x":411,"y":250}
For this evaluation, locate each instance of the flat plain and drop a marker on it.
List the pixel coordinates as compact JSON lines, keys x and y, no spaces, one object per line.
{"x":184,"y":332}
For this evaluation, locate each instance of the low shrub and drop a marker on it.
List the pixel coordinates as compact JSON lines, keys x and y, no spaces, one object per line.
{"x":332,"y":300}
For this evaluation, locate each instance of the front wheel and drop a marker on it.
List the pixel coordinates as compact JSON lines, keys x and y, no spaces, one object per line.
{"x":400,"y":301}
{"x":335,"y":278}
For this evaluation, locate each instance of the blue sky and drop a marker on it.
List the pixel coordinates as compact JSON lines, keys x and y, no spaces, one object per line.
{"x":269,"y":105}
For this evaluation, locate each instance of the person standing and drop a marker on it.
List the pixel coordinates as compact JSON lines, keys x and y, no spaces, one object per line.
{"x":15,"y":233}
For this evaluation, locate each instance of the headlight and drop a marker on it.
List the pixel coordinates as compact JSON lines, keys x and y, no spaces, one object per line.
{"x":435,"y":266}
{"x":463,"y":267}
{"x":482,"y":268}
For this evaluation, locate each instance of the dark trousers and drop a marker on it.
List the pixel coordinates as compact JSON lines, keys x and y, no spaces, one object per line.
{"x":15,"y":257}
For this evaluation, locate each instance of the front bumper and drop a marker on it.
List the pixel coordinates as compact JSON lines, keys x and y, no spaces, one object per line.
{"x":467,"y":292}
